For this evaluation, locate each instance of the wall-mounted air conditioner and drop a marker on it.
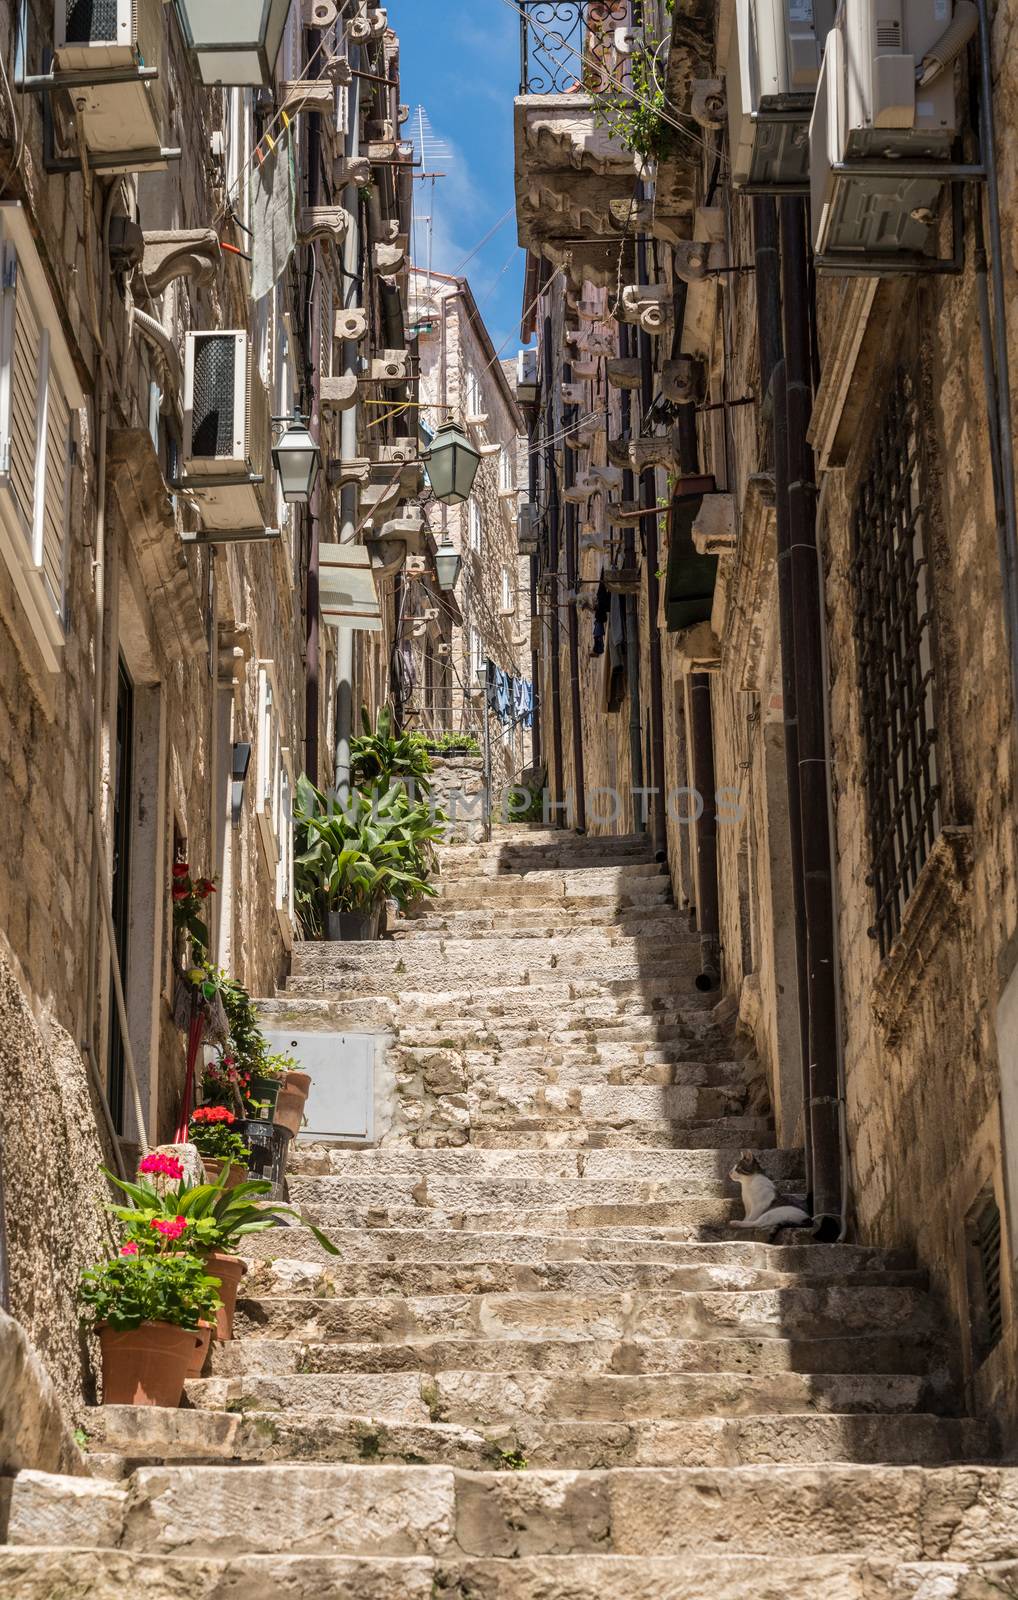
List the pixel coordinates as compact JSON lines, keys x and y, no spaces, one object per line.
{"x":526,"y":377}
{"x":773,"y":66}
{"x":124,"y":117}
{"x":877,"y":136}
{"x":528,"y":524}
{"x":225,"y":457}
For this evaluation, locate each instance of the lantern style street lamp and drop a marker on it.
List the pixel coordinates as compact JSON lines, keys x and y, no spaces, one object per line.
{"x":297,"y":459}
{"x":234,"y":42}
{"x":448,"y":564}
{"x":452,"y":464}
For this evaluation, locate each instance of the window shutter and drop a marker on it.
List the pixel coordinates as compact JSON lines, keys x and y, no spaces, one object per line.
{"x":27,"y":400}
{"x":56,"y":499}
{"x":328,"y":327}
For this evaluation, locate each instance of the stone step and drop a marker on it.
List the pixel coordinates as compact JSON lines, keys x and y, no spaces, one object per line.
{"x":450,"y":1194}
{"x":630,"y":917}
{"x":653,"y":1245}
{"x":691,"y":1218}
{"x":440,"y":963}
{"x":595,"y":877}
{"x":819,"y":1311}
{"x":756,"y":1132}
{"x":861,"y":1352}
{"x":478,"y":1399}
{"x":900,"y":1513}
{"x":638,"y":1166}
{"x":290,"y":1275}
{"x":45,"y":1574}
{"x":206,"y":1437}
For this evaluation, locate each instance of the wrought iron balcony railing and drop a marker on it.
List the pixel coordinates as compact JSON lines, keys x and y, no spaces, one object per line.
{"x":568,"y":46}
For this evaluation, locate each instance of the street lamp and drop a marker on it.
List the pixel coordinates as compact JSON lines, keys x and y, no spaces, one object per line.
{"x":452,"y":464}
{"x":448,"y":564}
{"x":297,"y":459}
{"x":234,"y":41}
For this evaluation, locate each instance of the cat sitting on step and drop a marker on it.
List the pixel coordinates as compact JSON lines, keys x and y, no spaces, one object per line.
{"x":759,"y":1195}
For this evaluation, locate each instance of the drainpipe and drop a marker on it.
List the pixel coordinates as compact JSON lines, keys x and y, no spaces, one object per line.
{"x":349,"y":495}
{"x":825,"y":1100}
{"x":705,"y":783}
{"x":535,"y":656}
{"x":772,"y":377}
{"x":551,"y":486}
{"x":319,"y":498}
{"x":632,"y":608}
{"x":573,"y":622}
{"x":648,"y":501}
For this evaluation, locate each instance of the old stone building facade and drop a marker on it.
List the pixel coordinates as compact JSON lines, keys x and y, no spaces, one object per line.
{"x":178,"y":643}
{"x":776,"y":480}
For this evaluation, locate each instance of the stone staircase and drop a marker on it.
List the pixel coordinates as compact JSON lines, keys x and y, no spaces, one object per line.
{"x":544,"y":1366}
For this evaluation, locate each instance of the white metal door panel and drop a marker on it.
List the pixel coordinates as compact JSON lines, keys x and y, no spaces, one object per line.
{"x":342,"y":1070}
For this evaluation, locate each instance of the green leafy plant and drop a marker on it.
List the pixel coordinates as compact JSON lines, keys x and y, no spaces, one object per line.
{"x":213,"y":1217}
{"x":635,"y":119}
{"x":214,"y":1137}
{"x":440,"y":743}
{"x":189,"y":896}
{"x":380,"y":757}
{"x":349,"y":856}
{"x":136,"y":1288}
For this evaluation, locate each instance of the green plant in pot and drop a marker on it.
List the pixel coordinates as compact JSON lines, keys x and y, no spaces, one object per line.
{"x":212,"y":1221}
{"x":211,"y":1131}
{"x":152,"y":1311}
{"x":380,"y":756}
{"x":351,"y":856}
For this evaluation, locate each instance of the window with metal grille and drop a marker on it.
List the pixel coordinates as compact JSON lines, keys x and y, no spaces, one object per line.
{"x":893,"y":627}
{"x":982,"y":1239}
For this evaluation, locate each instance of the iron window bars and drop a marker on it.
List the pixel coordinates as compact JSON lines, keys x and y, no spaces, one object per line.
{"x":896,"y":672}
{"x":562,"y":40}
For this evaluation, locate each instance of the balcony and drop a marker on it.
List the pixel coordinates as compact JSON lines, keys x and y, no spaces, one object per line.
{"x":568,"y":168}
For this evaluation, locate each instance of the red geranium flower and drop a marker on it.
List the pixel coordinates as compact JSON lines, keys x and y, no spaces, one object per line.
{"x":165,"y":1166}
{"x":206,"y":1114}
{"x":171,"y":1229}
{"x":181,"y":869}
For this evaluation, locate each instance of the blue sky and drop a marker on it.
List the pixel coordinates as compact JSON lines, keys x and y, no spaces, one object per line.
{"x":461,"y":62}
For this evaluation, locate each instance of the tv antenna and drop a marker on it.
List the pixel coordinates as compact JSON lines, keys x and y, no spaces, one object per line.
{"x":430,"y":153}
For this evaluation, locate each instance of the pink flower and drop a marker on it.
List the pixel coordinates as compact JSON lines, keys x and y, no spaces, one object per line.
{"x":129,"y":1249}
{"x":165,"y":1166}
{"x":172,"y":1229}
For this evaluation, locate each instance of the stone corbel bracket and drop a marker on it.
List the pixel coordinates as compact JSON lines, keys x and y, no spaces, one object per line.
{"x":583,"y":438}
{"x":632,"y":217}
{"x":387,"y":556}
{"x":337,"y":394}
{"x":410,"y":530}
{"x":391,"y":366}
{"x":715,"y":525}
{"x":350,"y":170}
{"x":695,"y":259}
{"x":351,"y":324}
{"x":684,"y":380}
{"x":933,"y":918}
{"x":649,"y":305}
{"x":343,"y":473}
{"x":620,"y":513}
{"x":584,"y":369}
{"x":235,"y":649}
{"x":180,"y":253}
{"x":369,"y":22}
{"x":389,"y":259}
{"x":309,"y":94}
{"x":639,"y":455}
{"x":573,"y":394}
{"x":623,"y":372}
{"x":379,"y":498}
{"x":324,"y":222}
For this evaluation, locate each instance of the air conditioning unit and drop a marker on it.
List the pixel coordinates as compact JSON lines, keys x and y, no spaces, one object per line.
{"x":871,"y":119}
{"x":528,"y":526}
{"x":526,"y":377}
{"x":124,"y":117}
{"x":226,"y":431}
{"x":773,"y":67}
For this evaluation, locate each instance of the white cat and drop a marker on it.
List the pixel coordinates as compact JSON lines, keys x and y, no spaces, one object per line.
{"x":759,"y":1195}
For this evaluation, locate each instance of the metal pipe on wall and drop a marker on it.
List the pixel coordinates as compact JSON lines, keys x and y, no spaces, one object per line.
{"x":648,"y":500}
{"x":554,"y":644}
{"x":825,"y":1098}
{"x":772,"y":380}
{"x":704,"y":781}
{"x":535,"y":655}
{"x":319,"y":498}
{"x":631,"y":607}
{"x":573,"y":623}
{"x":349,"y":495}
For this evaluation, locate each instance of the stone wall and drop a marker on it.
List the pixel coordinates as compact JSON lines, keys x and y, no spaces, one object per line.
{"x":458,"y":788}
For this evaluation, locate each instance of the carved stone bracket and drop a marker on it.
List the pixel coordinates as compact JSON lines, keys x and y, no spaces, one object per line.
{"x":351,"y":323}
{"x":573,"y":394}
{"x":235,"y":649}
{"x":391,"y":366}
{"x":369,"y":22}
{"x":146,"y":511}
{"x":390,"y":259}
{"x":324,"y":222}
{"x":410,"y":530}
{"x":342,"y":473}
{"x":649,"y":305}
{"x":387,"y":555}
{"x":347,"y":170}
{"x":714,"y":526}
{"x":623,"y":372}
{"x":748,"y":585}
{"x":934,"y":908}
{"x":181,"y":253}
{"x":639,"y":455}
{"x":338,"y":394}
{"x":309,"y":94}
{"x":684,"y":380}
{"x":695,"y":258}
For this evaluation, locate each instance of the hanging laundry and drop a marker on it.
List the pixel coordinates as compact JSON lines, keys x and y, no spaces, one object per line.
{"x":273,"y":215}
{"x":502,"y":694}
{"x":528,"y":715}
{"x":520,"y":687}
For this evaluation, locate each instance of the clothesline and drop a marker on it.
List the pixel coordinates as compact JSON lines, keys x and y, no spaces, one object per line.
{"x":511,"y":698}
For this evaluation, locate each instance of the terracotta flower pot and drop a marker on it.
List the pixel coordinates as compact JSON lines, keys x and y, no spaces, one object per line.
{"x":213,"y":1167}
{"x":198,"y":1355}
{"x":229,"y":1270}
{"x":147,"y":1365}
{"x":290,"y":1102}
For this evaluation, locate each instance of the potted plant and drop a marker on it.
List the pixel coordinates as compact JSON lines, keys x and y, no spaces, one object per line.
{"x":379,"y":757}
{"x":211,"y":1220}
{"x":148,"y":1311}
{"x":212,"y":1133}
{"x":352,"y":855}
{"x":292,"y":1096}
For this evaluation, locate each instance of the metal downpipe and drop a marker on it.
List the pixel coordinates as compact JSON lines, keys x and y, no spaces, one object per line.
{"x":573,"y":626}
{"x":349,"y":495}
{"x":707,"y":906}
{"x":648,"y":501}
{"x":554,"y":645}
{"x":632,"y":609}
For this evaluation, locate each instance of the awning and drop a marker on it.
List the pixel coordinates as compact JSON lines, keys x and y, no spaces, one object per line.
{"x":689,"y":585}
{"x":346,"y":588}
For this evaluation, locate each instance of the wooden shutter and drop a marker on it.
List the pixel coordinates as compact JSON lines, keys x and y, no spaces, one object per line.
{"x":55,"y":499}
{"x":27,"y":402}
